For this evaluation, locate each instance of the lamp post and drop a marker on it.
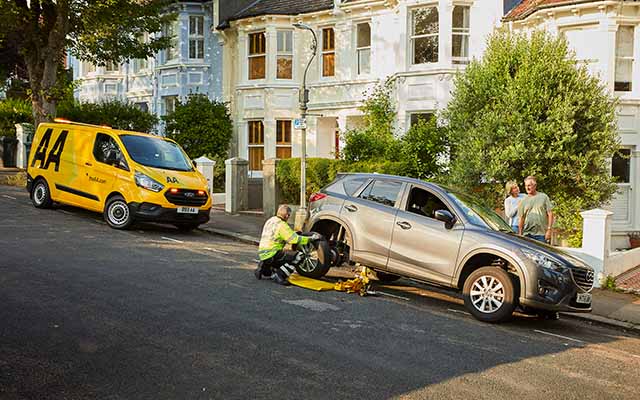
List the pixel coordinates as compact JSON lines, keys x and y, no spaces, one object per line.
{"x":301,"y":214}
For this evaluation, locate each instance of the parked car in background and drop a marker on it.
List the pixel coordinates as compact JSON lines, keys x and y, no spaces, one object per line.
{"x":125,"y":175}
{"x":404,"y":227}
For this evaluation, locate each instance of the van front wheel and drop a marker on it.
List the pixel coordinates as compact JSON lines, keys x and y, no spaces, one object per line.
{"x":117,"y":213}
{"x":40,"y":194}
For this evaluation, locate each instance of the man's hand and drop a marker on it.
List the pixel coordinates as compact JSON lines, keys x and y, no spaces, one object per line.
{"x":316,"y":237}
{"x":547,"y":235}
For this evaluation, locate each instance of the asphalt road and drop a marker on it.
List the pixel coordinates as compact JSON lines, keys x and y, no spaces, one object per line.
{"x":88,"y":312}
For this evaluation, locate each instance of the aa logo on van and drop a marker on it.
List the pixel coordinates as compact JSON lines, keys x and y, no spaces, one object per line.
{"x":172,"y":179}
{"x":55,"y":153}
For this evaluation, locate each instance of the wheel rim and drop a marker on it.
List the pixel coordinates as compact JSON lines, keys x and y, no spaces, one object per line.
{"x":40,"y":193}
{"x":487,"y":294}
{"x":309,"y":258}
{"x":118,"y":213}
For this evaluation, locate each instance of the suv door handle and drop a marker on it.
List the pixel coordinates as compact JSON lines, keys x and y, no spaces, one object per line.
{"x":404,"y":225}
{"x":88,"y":164}
{"x":351,"y":208}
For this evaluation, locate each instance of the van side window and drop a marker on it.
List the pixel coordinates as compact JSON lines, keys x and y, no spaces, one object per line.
{"x":423,"y":202}
{"x":106,"y":148}
{"x":383,"y":192}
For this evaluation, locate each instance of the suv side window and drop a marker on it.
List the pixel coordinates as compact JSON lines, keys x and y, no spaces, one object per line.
{"x":383,"y":192}
{"x":351,"y":185}
{"x":423,"y":202}
{"x":106,"y":147}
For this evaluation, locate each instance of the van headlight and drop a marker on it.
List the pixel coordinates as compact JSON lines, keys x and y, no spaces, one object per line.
{"x":144,"y":181}
{"x":541,"y":260}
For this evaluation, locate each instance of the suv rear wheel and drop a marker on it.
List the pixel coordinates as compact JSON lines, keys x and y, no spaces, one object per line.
{"x":316,"y":259}
{"x":489,"y":294}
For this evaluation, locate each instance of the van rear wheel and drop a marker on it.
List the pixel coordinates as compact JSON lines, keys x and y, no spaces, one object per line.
{"x":117,"y":213}
{"x":40,"y":194}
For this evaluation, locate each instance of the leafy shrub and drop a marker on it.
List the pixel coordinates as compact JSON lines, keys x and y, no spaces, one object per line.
{"x":114,"y":113}
{"x":201,"y":126}
{"x":321,"y":171}
{"x":424,"y":148}
{"x":14,"y":111}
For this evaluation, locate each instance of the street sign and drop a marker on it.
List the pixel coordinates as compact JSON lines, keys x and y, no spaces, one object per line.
{"x":299,"y":123}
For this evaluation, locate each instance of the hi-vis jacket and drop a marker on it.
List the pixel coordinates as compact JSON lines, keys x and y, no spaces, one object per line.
{"x":275,"y":235}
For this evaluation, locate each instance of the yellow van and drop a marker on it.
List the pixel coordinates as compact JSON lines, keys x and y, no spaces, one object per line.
{"x":127,"y":176}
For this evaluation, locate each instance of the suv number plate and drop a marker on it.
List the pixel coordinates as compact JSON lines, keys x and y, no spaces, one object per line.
{"x":187,"y":210}
{"x":583,"y":298}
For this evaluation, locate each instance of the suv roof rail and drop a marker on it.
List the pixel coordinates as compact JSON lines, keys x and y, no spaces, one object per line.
{"x":66,"y":121}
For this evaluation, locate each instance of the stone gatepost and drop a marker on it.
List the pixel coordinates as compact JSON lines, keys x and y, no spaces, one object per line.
{"x":206,"y":167}
{"x":24,"y":134}
{"x":270,"y":188}
{"x":596,"y":240}
{"x":236,"y":185}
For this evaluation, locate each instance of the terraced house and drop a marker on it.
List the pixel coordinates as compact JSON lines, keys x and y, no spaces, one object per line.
{"x":605,"y":36}
{"x":420,"y":44}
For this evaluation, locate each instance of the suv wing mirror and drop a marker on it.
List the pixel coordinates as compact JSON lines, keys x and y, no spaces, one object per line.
{"x":446,"y":217}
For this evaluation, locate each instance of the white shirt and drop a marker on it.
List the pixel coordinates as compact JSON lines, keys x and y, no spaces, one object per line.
{"x":511,"y":208}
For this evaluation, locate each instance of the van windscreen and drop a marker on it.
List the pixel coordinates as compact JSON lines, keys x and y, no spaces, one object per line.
{"x":156,"y":153}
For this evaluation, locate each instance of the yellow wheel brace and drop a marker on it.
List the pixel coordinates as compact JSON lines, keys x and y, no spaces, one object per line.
{"x":360,"y":284}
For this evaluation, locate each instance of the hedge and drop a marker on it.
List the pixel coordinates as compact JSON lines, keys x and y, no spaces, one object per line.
{"x":14,"y":111}
{"x":321,"y":171}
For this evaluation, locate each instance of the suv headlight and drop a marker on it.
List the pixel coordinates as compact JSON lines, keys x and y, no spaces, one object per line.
{"x":543,"y":261}
{"x":144,"y":181}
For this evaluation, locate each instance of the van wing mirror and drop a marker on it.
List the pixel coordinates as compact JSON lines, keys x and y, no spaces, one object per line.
{"x":446,"y":217}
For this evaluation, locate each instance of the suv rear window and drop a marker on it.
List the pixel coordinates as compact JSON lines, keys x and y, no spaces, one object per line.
{"x":383,"y":192}
{"x":351,"y":185}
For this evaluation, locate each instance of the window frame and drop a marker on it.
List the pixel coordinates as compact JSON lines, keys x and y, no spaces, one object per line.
{"x":262,"y":55}
{"x":283,"y":123}
{"x":284,"y":54}
{"x":413,"y":36}
{"x":122,"y":162}
{"x":624,"y":58}
{"x":462,"y":32}
{"x":251,"y":145}
{"x":196,"y":38}
{"x":328,"y":51}
{"x":628,"y":160}
{"x":165,"y":102}
{"x":413,"y":114}
{"x":172,"y":52}
{"x":359,"y":49}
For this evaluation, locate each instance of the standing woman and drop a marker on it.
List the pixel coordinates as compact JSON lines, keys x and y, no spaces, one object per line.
{"x":511,"y":204}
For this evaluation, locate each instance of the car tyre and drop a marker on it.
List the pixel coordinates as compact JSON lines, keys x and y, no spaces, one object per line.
{"x":316,"y":259}
{"x":117,"y":213}
{"x":40,"y":194}
{"x":489,"y":294}
{"x":385,"y":277}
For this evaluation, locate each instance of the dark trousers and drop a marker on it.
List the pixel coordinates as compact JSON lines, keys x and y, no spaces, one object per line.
{"x":539,"y":238}
{"x":281,"y":258}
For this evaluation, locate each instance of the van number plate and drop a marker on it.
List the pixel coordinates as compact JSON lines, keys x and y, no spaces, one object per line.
{"x":583,"y":298}
{"x":187,"y":210}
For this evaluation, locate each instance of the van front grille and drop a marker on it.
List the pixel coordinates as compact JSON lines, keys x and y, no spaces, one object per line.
{"x":186,"y":197}
{"x":583,"y":278}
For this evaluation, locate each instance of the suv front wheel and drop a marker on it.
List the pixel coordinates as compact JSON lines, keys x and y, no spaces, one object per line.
{"x":489,"y":294}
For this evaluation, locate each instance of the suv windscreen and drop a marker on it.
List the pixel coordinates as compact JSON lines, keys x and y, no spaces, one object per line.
{"x":479,"y":214}
{"x":156,"y":153}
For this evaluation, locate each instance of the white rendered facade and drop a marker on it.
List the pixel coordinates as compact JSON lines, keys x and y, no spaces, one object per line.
{"x":422,"y":87}
{"x":605,"y":35}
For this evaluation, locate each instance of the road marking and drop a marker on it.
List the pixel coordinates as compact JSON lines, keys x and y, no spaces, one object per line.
{"x":9,"y":197}
{"x":66,"y":212}
{"x":393,"y":295}
{"x":216,"y":250}
{"x":313,"y":305}
{"x":172,"y":240}
{"x":558,"y":336}
{"x":458,"y":311}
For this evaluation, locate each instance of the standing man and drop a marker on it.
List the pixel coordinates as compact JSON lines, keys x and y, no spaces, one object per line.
{"x":274,"y":260}
{"x":535,"y":212}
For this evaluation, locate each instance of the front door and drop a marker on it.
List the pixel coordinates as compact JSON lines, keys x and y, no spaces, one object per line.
{"x":371,"y":215}
{"x":422,"y":246}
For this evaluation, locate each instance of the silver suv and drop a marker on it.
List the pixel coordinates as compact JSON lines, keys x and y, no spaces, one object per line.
{"x":403,"y":227}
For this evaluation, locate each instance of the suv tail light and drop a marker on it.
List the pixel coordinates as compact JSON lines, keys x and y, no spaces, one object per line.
{"x":316,"y":197}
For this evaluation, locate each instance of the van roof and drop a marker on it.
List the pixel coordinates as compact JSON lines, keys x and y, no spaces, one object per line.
{"x":59,"y":121}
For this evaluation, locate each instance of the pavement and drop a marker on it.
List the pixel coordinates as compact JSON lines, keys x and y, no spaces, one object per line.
{"x":620,"y":309}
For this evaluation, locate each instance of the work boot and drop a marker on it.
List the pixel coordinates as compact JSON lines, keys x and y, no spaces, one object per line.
{"x":280,"y":278}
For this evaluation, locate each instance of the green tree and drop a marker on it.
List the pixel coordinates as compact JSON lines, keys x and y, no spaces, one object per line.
{"x":424,"y":148}
{"x":201,"y":126}
{"x":114,"y":113}
{"x":529,"y":108}
{"x":376,"y":139}
{"x":94,"y":31}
